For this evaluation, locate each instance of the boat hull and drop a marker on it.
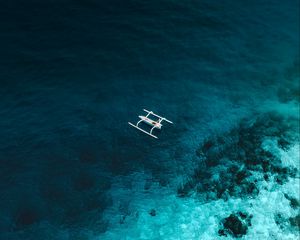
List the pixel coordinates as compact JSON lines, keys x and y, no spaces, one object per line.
{"x":151,"y":122}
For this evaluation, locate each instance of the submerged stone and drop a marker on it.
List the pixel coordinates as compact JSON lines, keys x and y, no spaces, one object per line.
{"x":241,"y":175}
{"x":235,"y":225}
{"x":266,"y":177}
{"x":242,"y":215}
{"x":152,"y":212}
{"x":252,"y":189}
{"x":278,"y":219}
{"x":294,"y":203}
{"x":284,"y":144}
{"x":222,"y":232}
{"x":295,"y":221}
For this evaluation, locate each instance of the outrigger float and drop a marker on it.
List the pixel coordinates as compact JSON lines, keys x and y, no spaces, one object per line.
{"x":155,"y":124}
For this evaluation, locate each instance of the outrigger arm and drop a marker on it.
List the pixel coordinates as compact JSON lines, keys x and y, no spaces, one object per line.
{"x":161,"y":118}
{"x":152,"y":130}
{"x":137,"y":124}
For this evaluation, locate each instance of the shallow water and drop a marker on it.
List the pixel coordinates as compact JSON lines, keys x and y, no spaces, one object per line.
{"x":73,"y":73}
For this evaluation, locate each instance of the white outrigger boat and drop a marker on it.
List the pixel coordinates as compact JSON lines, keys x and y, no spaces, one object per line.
{"x":155,"y":124}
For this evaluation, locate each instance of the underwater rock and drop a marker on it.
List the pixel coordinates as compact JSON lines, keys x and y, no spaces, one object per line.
{"x":122,"y":219}
{"x":222,"y":232}
{"x":279,"y":220}
{"x":251,"y":188}
{"x":294,"y":203}
{"x":295,"y":221}
{"x":282,"y":222}
{"x":235,"y":225}
{"x":242,"y":215}
{"x":205,"y":147}
{"x":241,"y":175}
{"x":183,"y":191}
{"x":152,"y":212}
{"x":284,"y":144}
{"x":266,"y":177}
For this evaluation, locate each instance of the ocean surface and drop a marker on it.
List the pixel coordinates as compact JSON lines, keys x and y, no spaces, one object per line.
{"x":73,"y":73}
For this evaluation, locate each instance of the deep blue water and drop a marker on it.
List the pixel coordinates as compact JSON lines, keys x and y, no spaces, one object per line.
{"x":73,"y":73}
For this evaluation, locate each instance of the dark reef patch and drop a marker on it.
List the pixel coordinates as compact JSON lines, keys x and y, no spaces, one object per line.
{"x":235,"y":225}
{"x":294,"y":202}
{"x":279,"y":220}
{"x":295,"y":221}
{"x":152,"y":212}
{"x":284,"y":222}
{"x":229,"y":161}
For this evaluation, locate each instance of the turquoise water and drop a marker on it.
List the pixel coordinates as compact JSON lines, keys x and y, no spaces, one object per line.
{"x":73,"y":73}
